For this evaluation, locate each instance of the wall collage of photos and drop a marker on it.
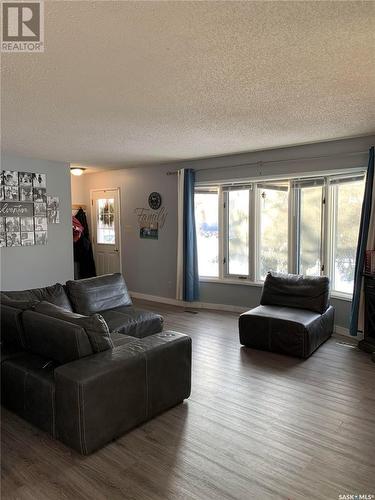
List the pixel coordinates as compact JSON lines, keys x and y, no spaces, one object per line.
{"x":25,"y":209}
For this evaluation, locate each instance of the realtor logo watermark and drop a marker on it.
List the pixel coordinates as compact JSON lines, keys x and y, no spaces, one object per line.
{"x":22,"y":26}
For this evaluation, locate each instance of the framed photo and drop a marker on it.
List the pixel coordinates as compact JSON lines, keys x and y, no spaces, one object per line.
{"x":53,"y":209}
{"x":40,"y":223}
{"x":3,"y":241}
{"x":26,"y":193}
{"x":40,"y":209}
{"x":39,"y":180}
{"x":10,"y":178}
{"x":25,"y":178}
{"x":40,"y":237}
{"x":1,"y":192}
{"x":40,"y":195}
{"x":27,"y":224}
{"x":27,"y":239}
{"x":149,"y":231}
{"x":13,"y":239}
{"x":12,"y":224}
{"x":11,"y":193}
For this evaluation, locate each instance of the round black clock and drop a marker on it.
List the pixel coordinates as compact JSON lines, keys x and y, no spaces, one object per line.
{"x":154,"y":200}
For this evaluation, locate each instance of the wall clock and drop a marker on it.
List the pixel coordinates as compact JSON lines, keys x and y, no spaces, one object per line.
{"x":154,"y":200}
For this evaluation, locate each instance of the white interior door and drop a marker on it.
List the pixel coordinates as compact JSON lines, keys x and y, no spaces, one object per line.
{"x":105,"y":211}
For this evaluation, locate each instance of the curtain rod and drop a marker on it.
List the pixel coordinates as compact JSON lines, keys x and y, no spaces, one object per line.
{"x":260,"y":163}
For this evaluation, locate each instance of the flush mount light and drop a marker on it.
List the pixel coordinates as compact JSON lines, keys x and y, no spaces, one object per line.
{"x":77,"y":171}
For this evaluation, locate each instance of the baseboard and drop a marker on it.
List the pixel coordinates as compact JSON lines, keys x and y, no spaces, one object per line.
{"x":338,"y":330}
{"x":189,"y":305}
{"x":344,"y":332}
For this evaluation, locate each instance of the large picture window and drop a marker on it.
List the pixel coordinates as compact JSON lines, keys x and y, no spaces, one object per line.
{"x":307,"y":226}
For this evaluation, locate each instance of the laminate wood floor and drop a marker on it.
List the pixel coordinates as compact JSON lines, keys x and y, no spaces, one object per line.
{"x":257,"y":426}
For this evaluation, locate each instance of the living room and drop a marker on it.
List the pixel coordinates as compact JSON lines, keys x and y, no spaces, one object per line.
{"x":187,"y":250}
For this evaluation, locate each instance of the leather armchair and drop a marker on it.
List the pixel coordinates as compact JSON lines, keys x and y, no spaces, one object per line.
{"x":294,"y":317}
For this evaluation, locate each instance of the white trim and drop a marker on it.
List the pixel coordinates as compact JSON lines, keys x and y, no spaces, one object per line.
{"x":93,"y":220}
{"x":231,"y":281}
{"x":344,"y":332}
{"x":341,"y":296}
{"x":190,"y":305}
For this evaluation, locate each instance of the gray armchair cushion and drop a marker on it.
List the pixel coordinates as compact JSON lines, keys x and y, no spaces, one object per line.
{"x":93,"y":295}
{"x":26,"y":299}
{"x":95,"y":326}
{"x":292,"y":290}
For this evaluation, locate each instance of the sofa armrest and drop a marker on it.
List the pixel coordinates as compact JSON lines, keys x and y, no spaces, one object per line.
{"x":104,"y":395}
{"x":11,"y":326}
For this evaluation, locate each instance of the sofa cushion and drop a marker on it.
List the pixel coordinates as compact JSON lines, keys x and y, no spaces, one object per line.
{"x":292,"y":290}
{"x":296,"y":332}
{"x":118,"y":339}
{"x":93,"y":295}
{"x":18,"y":303}
{"x":54,"y":294}
{"x":134,"y":322}
{"x":55,"y":339}
{"x":95,"y":326}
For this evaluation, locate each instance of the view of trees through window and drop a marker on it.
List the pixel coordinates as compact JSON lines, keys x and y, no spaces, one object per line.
{"x":207,"y":228}
{"x":273,"y":238}
{"x":238,"y":232}
{"x":292,"y":232}
{"x":310,"y":229}
{"x":347,"y":213}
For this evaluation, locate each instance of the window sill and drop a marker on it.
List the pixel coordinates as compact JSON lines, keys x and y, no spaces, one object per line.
{"x":230,"y":281}
{"x":341,"y":296}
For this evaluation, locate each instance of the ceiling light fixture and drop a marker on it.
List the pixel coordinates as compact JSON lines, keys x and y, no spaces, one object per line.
{"x":77,"y":170}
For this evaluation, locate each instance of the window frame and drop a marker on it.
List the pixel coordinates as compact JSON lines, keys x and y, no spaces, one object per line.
{"x":213,"y":190}
{"x":225,"y":230}
{"x":332,"y":190}
{"x":258,"y":187}
{"x":253,"y":185}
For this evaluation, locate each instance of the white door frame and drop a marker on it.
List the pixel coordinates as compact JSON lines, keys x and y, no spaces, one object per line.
{"x":93,"y":219}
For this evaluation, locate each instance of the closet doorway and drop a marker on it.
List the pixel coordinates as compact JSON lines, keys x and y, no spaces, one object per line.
{"x":105,"y":219}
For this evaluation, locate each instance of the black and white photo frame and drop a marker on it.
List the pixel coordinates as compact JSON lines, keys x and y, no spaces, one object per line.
{"x":25,"y":209}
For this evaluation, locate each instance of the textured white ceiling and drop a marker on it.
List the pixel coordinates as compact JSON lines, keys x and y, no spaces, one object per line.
{"x":134,"y":83}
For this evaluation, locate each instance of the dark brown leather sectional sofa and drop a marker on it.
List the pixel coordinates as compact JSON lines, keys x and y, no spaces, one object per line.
{"x":81,"y":363}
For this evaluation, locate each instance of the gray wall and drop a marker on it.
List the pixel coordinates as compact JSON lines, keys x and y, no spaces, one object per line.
{"x":248,"y":296}
{"x":36,"y":266}
{"x":150,"y":266}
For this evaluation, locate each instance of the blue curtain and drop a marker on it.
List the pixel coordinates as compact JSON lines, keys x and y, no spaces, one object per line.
{"x":362,"y":242}
{"x":191,"y":276}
